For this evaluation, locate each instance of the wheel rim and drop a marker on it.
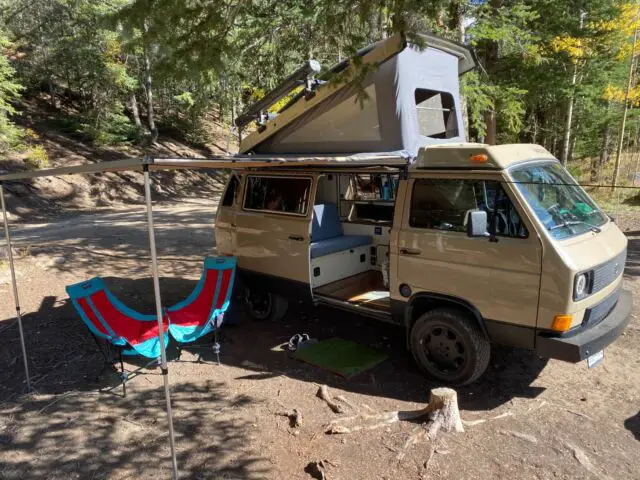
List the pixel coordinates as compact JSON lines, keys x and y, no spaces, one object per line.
{"x":444,"y":350}
{"x":258,"y":304}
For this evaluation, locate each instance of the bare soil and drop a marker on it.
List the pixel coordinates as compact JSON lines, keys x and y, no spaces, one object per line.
{"x":36,"y":200}
{"x":542,"y":419}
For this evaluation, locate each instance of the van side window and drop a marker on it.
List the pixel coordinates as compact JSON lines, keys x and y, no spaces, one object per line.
{"x":230,"y":193}
{"x":444,"y":204}
{"x":278,"y":194}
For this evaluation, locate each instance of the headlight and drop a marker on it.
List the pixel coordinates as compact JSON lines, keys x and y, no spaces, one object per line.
{"x":581,"y":286}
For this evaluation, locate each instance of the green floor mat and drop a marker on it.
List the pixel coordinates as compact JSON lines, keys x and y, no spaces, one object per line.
{"x":340,"y":356}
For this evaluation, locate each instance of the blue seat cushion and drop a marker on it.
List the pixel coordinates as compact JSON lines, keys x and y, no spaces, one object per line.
{"x":338,"y":244}
{"x":326,"y":222}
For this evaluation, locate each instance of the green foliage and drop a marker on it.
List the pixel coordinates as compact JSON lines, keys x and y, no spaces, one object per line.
{"x":100,"y":61}
{"x":10,"y":135}
{"x":37,"y":158}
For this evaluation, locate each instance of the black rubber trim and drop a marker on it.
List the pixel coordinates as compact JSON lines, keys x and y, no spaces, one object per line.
{"x":408,"y":313}
{"x":165,"y":371}
{"x":459,"y":168}
{"x":510,"y":334}
{"x":590,"y":340}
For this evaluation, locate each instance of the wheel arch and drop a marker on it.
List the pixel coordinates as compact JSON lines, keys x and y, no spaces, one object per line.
{"x":422,"y":302}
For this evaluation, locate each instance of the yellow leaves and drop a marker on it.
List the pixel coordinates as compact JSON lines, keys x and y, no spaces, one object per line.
{"x":628,"y":19}
{"x":113,"y":47}
{"x":615,"y":94}
{"x":576,"y":48}
{"x":31,"y":134}
{"x":616,"y":34}
{"x":258,"y":93}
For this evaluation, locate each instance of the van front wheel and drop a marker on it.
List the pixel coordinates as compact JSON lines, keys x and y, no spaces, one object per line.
{"x":449,"y":346}
{"x":261,"y":305}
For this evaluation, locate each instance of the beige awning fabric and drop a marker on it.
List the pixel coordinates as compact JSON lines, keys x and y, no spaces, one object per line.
{"x":99,"y":167}
{"x":223,"y":162}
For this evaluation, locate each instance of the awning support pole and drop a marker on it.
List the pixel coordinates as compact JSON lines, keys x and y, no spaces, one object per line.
{"x":156,"y":289}
{"x":16,"y":299}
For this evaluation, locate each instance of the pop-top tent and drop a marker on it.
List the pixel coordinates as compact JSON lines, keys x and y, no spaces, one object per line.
{"x":397,"y":97}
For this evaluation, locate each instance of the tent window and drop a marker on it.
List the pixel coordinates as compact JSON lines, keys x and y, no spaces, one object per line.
{"x":436,"y":114}
{"x":278,"y":194}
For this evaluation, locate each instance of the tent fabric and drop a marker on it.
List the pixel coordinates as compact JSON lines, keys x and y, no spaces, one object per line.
{"x":108,"y":318}
{"x":380,"y":113}
{"x":202,"y":312}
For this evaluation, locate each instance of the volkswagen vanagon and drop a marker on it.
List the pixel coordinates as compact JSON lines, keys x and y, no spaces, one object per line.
{"x":363,"y":195}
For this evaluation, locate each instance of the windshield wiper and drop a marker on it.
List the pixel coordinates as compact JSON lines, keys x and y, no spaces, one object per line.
{"x":569,"y":223}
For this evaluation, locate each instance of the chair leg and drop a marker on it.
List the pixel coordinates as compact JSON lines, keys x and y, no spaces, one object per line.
{"x":216,"y":346}
{"x":123,"y":376}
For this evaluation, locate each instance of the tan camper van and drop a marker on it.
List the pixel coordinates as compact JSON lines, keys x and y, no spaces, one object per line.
{"x":377,"y":205}
{"x":471,"y":244}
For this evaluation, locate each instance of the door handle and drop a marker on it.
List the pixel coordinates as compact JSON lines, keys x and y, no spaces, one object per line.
{"x":410,"y":251}
{"x":297,"y":238}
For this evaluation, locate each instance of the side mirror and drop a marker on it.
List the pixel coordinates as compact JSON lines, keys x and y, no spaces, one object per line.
{"x":477,"y":224}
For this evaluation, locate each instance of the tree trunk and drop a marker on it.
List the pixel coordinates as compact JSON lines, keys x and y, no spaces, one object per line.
{"x":566,"y":139}
{"x":457,"y":11}
{"x":148,"y":87}
{"x":490,"y":119}
{"x":135,"y":111}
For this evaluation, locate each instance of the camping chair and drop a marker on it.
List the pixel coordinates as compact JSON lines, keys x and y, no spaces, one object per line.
{"x":108,"y":319}
{"x":202,"y":312}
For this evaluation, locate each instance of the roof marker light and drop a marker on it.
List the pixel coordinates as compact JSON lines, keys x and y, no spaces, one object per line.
{"x":479,"y":158}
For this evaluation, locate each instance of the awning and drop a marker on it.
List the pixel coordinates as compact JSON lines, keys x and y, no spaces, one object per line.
{"x":222,"y":162}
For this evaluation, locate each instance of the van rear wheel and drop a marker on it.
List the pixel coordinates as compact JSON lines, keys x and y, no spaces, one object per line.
{"x":262,"y":305}
{"x":449,"y":346}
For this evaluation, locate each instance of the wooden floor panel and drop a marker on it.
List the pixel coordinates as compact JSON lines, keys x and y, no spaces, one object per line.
{"x":363,"y":289}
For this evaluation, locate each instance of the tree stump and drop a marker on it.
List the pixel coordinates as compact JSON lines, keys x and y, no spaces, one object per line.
{"x":443,"y":403}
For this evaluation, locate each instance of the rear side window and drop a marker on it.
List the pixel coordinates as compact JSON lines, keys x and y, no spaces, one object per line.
{"x":278,"y":194}
{"x":436,"y":114}
{"x":444,"y":204}
{"x":230,"y":194}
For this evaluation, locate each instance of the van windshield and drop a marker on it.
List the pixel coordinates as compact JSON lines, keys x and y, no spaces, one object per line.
{"x":562,"y":206}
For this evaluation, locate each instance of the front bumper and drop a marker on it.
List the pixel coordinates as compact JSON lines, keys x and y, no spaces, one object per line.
{"x":590,"y":340}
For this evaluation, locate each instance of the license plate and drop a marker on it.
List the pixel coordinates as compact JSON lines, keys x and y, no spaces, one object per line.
{"x":595,"y":359}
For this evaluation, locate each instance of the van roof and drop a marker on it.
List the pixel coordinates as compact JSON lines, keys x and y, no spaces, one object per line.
{"x":479,"y":156}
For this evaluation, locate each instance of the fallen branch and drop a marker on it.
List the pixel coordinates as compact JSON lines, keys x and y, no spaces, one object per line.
{"x":323,"y":394}
{"x":580,"y":414}
{"x":522,"y":436}
{"x":294,"y":416}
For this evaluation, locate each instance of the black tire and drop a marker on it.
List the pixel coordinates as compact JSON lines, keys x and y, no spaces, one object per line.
{"x":449,"y":346}
{"x":263,"y":306}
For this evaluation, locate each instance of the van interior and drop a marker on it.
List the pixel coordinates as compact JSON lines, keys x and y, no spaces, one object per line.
{"x":352,"y":217}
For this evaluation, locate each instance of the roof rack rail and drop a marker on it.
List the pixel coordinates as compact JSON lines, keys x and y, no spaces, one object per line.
{"x":302,"y":76}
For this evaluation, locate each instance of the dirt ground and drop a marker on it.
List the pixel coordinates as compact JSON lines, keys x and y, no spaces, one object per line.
{"x":540,"y":419}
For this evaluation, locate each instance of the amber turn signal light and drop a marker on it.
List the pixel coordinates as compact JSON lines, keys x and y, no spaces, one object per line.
{"x":561,"y":323}
{"x":479,"y":158}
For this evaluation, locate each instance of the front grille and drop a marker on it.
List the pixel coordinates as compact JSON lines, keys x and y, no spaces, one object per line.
{"x":607,"y":272}
{"x":597,"y":313}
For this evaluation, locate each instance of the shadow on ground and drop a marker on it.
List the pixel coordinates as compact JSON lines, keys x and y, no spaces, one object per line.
{"x":63,"y":437}
{"x":633,"y":425}
{"x":63,"y":356}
